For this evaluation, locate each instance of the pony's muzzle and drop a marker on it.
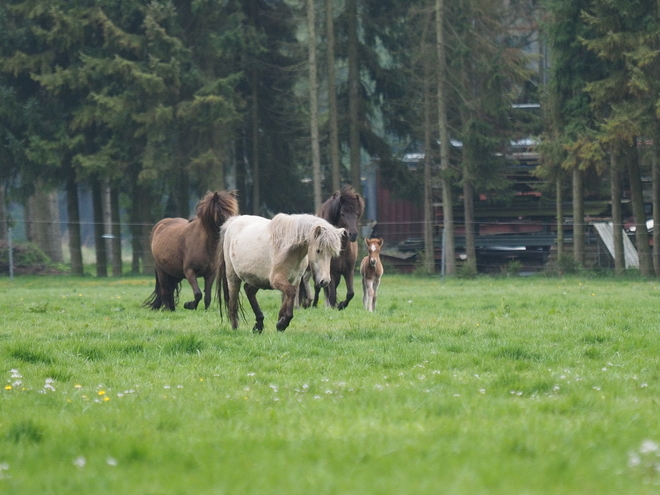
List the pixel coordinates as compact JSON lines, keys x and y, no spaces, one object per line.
{"x":372,"y":261}
{"x":352,"y":236}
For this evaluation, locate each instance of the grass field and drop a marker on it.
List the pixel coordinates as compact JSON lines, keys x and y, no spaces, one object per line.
{"x":494,"y":385}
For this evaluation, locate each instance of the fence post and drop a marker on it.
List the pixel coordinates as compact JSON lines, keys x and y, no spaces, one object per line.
{"x":11,"y":255}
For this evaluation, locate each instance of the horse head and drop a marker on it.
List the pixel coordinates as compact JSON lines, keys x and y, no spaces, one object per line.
{"x":344,"y":210}
{"x":373,"y":247}
{"x":324,"y":244}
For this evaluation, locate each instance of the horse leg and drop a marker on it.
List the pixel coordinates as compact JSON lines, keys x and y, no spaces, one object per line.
{"x":305,"y":290}
{"x":167,"y":290}
{"x":348,"y":276}
{"x":288,"y":291}
{"x":365,"y":291}
{"x":234,"y":284}
{"x":331,"y":293}
{"x":317,"y":291}
{"x":208,"y":286}
{"x":375,"y":296}
{"x":191,"y":277}
{"x":251,"y":293}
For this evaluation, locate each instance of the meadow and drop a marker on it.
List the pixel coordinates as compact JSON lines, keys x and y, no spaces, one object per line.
{"x":488,"y":386}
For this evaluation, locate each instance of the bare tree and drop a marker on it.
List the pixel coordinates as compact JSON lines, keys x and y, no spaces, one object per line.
{"x":617,"y":218}
{"x":429,"y":256}
{"x":332,"y":95}
{"x":353,"y":93}
{"x":448,"y":247}
{"x":313,"y":105}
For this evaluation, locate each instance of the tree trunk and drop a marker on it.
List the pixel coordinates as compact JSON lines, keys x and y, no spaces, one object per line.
{"x":4,"y":218}
{"x":256,"y":193}
{"x":43,"y":225}
{"x":559,"y":198}
{"x":314,"y":106}
{"x":254,"y":112}
{"x":354,"y":93}
{"x":115,"y":231}
{"x":136,"y":227}
{"x":107,"y":222}
{"x":332,"y":96}
{"x":655,"y":172}
{"x":147,"y":224}
{"x":429,"y":250}
{"x":447,"y":201}
{"x":637,"y":198}
{"x":73,"y":213}
{"x":617,"y":218}
{"x":578,"y":217}
{"x":99,"y":229}
{"x":470,"y":228}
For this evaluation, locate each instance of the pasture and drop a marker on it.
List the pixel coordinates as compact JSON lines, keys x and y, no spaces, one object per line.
{"x":494,"y":386}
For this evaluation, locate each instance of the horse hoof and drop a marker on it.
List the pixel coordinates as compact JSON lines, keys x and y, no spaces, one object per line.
{"x":341,"y":306}
{"x":190,"y":305}
{"x":281,"y":325}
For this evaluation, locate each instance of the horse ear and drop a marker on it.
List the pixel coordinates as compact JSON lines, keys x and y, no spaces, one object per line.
{"x":317,"y":231}
{"x":366,"y":241}
{"x":380,"y":242}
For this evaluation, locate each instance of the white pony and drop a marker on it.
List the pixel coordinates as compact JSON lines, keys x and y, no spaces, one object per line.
{"x":272,"y":254}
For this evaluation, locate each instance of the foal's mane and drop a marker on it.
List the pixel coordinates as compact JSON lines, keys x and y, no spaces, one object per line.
{"x":347,"y":199}
{"x":288,"y":232}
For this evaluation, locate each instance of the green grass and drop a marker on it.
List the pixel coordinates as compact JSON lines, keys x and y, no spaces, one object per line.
{"x":494,"y":386}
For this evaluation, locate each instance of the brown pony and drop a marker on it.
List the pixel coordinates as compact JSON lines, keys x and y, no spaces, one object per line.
{"x":371,"y":269}
{"x":186,"y":249}
{"x":343,"y":209}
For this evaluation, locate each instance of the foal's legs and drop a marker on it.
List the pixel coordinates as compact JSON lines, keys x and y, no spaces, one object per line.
{"x":368,"y":299}
{"x":375,"y":296}
{"x":191,"y":277}
{"x":365,"y":293}
{"x":251,"y":293}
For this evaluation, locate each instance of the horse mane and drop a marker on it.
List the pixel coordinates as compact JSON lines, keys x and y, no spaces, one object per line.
{"x":288,"y":232}
{"x":346,"y":198}
{"x":214,"y":209}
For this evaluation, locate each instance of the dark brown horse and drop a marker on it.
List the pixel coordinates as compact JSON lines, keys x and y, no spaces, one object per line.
{"x":187,"y":249}
{"x":343,"y":209}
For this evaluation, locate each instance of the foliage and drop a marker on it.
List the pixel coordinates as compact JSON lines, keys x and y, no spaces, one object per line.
{"x":28,"y":259}
{"x":512,"y":268}
{"x":493,"y":386}
{"x":467,"y":270}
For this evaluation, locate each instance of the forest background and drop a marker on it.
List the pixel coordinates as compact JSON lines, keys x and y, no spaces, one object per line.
{"x":149,"y":104}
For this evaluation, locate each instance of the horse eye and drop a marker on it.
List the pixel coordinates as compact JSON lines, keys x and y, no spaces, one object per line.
{"x":318,"y":251}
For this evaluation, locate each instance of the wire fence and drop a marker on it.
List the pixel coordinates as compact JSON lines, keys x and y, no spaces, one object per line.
{"x":531,"y":244}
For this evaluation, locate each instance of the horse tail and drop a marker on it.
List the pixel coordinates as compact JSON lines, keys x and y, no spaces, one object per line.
{"x":156,"y":299}
{"x":222,"y":287}
{"x":222,"y":284}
